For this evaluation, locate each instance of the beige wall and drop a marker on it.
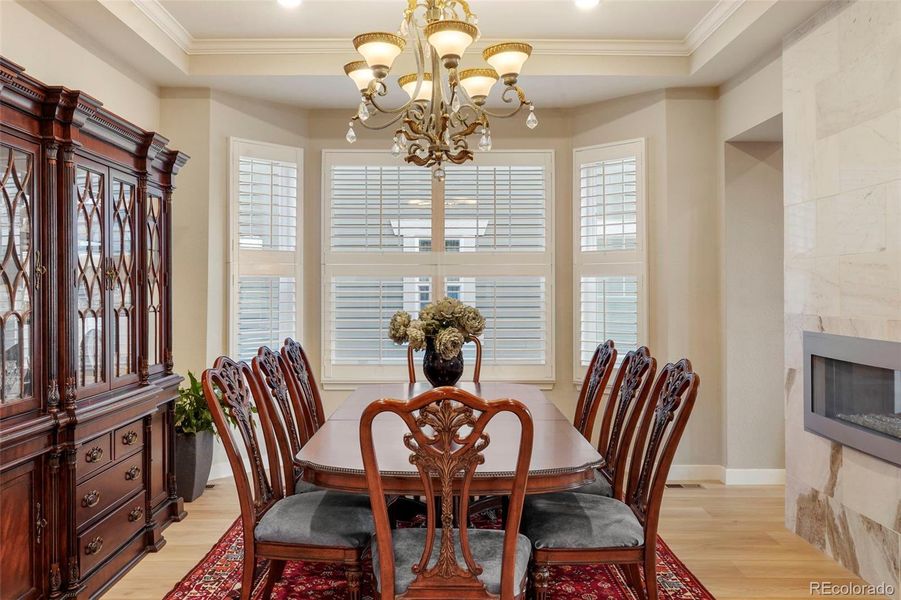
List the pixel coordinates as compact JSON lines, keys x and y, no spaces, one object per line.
{"x":842,"y":193}
{"x":45,"y":44}
{"x":683,"y":255}
{"x":200,"y":123}
{"x":752,"y":298}
{"x":750,"y":197}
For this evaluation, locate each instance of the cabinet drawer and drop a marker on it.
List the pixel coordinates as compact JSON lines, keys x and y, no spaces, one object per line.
{"x":98,"y":493}
{"x":108,"y":535}
{"x":93,"y":455}
{"x":129,"y":438}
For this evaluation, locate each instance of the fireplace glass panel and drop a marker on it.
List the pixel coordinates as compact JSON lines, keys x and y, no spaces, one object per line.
{"x":861,"y":395}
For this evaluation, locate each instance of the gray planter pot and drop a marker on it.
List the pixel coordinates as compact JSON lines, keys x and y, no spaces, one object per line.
{"x":193,"y":461}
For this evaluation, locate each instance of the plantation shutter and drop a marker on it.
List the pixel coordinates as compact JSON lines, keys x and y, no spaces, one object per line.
{"x":362,"y":306}
{"x":267,"y":312}
{"x":378,"y":208}
{"x":609,"y":262}
{"x":381,"y":257}
{"x":496,"y":208}
{"x":266,"y":254}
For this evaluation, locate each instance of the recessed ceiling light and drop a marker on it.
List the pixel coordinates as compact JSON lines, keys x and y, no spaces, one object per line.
{"x":290,"y":3}
{"x":586,"y":4}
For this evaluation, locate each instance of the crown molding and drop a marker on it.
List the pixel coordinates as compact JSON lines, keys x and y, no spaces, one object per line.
{"x":167,"y":23}
{"x":545,"y":47}
{"x":191,"y":46}
{"x":710,"y":22}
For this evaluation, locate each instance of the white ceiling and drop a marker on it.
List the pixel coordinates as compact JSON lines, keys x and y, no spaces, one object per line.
{"x":519,"y":19}
{"x":259,"y":49}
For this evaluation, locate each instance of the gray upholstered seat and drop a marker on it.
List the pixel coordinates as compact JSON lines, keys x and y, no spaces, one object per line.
{"x":487,"y":550}
{"x":599,"y":487}
{"x":318,"y":519}
{"x":302,"y":487}
{"x":573,"y":520}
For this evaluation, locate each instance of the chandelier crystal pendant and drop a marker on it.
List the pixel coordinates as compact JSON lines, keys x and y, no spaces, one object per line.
{"x":447,"y":103}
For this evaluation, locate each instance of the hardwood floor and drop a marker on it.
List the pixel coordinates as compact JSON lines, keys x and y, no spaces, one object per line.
{"x":732,"y":538}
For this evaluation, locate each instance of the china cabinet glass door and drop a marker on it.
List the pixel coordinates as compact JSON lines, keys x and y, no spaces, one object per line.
{"x":17,"y":265}
{"x":121,"y":272}
{"x":153,"y":220}
{"x":90,"y":276}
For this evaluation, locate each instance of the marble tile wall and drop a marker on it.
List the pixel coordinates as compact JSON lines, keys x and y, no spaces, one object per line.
{"x":842,"y":148}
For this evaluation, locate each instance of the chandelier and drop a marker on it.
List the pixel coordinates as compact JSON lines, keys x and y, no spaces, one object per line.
{"x":446,"y":104}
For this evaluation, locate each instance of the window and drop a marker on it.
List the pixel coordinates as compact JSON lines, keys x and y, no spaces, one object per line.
{"x":383,"y":221}
{"x":609,"y":249}
{"x":265,"y":267}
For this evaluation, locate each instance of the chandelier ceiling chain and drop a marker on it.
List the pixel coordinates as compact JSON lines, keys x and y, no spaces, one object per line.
{"x":446,"y":105}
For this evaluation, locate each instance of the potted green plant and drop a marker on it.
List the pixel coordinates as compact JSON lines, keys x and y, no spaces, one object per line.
{"x":441,"y":330}
{"x":194,"y":431}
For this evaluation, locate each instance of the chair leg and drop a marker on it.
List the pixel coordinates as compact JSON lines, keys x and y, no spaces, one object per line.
{"x":650,"y":574}
{"x":540,"y":577}
{"x":633,"y":578}
{"x":247,"y":575}
{"x":354,"y":576}
{"x":276,"y":569}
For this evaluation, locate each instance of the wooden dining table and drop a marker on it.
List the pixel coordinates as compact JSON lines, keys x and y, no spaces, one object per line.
{"x":562,"y":458}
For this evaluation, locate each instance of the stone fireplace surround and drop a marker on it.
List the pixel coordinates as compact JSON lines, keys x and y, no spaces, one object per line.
{"x":842,"y":194}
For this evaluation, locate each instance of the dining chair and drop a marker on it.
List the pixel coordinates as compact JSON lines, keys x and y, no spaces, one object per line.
{"x":575,"y":529}
{"x":270,"y":387}
{"x":411,"y":367}
{"x":596,"y":378}
{"x":318,"y":526}
{"x":447,"y":441}
{"x":302,"y":388}
{"x":628,"y":397}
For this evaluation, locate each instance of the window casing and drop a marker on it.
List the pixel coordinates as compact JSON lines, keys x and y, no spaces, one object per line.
{"x":265,"y":253}
{"x":609,"y":249}
{"x":493,"y":224}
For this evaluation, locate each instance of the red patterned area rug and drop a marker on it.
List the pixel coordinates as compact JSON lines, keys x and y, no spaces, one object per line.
{"x":218,"y":575}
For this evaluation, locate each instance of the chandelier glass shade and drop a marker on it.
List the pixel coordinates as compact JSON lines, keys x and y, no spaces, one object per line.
{"x":446,"y":104}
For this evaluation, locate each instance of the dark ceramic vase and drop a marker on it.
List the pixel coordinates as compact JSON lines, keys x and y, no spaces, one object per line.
{"x":438,"y":370}
{"x":193,"y":461}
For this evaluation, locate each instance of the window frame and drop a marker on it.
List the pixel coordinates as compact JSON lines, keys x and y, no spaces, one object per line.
{"x":611,"y":262}
{"x":266,"y":262}
{"x":438,"y":265}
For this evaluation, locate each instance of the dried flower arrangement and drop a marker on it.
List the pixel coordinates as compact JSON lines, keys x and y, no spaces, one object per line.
{"x":448,"y":322}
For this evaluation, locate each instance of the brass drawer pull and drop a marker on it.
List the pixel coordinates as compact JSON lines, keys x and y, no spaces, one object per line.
{"x":132,"y":473}
{"x":94,"y":546}
{"x":129,"y":438}
{"x":135,"y":514}
{"x":91,"y":499}
{"x":95,"y":454}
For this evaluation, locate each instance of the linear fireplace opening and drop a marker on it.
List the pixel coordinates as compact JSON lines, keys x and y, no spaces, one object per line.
{"x":852,"y":389}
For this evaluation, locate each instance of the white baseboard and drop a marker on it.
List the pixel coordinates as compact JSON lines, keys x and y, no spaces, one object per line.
{"x":755,"y":476}
{"x":221,"y":469}
{"x":696,"y":473}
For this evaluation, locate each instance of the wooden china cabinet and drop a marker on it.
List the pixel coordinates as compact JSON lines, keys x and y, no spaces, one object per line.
{"x":86,"y":382}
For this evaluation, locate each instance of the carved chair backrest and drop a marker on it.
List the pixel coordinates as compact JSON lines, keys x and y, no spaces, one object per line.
{"x":447,"y":439}
{"x":628,"y":397}
{"x":476,"y":373}
{"x":227,"y":389}
{"x":271,"y":390}
{"x":599,"y":370}
{"x":662,"y":424}
{"x":302,"y":387}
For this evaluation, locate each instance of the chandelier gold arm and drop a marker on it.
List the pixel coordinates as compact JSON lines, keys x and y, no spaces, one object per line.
{"x":520,"y":95}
